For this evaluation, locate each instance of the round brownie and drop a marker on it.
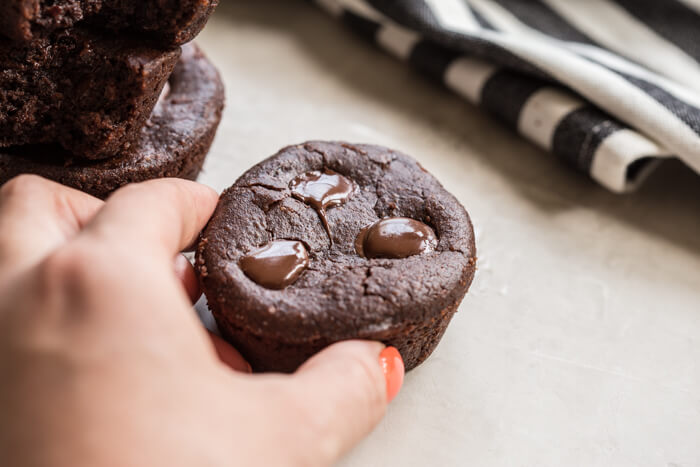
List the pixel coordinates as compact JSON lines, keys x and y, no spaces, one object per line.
{"x":330,"y":241}
{"x":173,"y":143}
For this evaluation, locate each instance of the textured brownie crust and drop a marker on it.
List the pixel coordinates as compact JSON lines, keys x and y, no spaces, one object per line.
{"x":402,"y":302}
{"x":91,"y":95}
{"x":173,"y":143}
{"x":170,"y":22}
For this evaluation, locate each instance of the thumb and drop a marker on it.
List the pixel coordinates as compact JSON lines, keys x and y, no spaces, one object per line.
{"x":345,"y":389}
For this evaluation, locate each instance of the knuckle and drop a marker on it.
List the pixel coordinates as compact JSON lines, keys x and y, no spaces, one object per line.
{"x":21,"y":184}
{"x":358,"y":397}
{"x":317,"y":432}
{"x":67,"y":265}
{"x":132,"y":189}
{"x":298,"y":403}
{"x":370,"y":389}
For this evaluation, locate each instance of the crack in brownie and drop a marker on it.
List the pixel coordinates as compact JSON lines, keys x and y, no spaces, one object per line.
{"x":330,"y":241}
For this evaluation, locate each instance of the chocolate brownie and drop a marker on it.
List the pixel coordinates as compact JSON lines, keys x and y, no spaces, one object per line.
{"x":170,"y":22}
{"x":173,"y":143}
{"x":330,"y":241}
{"x":89,"y":94}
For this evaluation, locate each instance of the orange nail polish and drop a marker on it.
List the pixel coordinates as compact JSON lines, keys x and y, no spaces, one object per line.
{"x":392,"y":365}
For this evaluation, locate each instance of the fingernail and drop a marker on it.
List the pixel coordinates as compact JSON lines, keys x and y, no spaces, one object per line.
{"x":249,"y":369}
{"x":392,"y":365}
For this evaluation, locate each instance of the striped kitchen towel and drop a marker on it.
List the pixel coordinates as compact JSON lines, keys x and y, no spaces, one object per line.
{"x":610,"y":86}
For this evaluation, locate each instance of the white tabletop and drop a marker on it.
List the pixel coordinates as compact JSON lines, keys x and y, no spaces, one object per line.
{"x":579,"y":342}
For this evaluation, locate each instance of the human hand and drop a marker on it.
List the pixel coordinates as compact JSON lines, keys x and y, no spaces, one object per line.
{"x":104,"y":363}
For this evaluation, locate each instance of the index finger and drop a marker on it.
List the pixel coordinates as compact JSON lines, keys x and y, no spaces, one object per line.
{"x":36,"y":217}
{"x":156,"y":217}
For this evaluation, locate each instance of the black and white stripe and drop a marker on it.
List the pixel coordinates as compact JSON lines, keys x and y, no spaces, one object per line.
{"x":610,"y":86}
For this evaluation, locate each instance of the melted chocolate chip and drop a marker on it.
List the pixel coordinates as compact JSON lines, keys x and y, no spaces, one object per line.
{"x":277,"y":264}
{"x":322,"y":190}
{"x":395,"y":237}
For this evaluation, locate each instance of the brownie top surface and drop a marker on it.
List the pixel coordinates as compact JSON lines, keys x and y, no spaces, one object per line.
{"x":340,"y":294}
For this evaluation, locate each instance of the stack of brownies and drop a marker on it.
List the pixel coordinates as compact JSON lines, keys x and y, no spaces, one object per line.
{"x":96,"y":94}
